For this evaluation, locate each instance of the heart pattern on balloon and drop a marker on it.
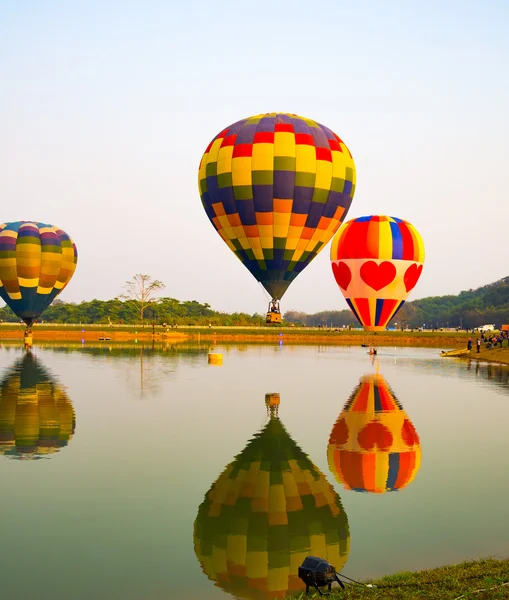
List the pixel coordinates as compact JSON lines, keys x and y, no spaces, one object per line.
{"x":339,"y":433}
{"x":412,"y":275}
{"x":408,"y":434}
{"x":342,"y":274}
{"x":373,"y":435}
{"x":378,"y":276}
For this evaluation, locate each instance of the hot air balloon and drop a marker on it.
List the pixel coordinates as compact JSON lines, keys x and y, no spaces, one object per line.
{"x":276,"y":187}
{"x":376,"y":262}
{"x":37,"y":261}
{"x":373,"y":446}
{"x":268,"y":510}
{"x":36,"y":415}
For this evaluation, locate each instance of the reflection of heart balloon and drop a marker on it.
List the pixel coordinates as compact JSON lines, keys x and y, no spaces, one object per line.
{"x":373,"y":446}
{"x":375,"y":435}
{"x":384,"y":256}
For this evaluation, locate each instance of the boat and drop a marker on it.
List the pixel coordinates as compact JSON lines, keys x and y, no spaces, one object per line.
{"x":462,"y":352}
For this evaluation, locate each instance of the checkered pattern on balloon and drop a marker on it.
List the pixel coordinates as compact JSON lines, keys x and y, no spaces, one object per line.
{"x":276,"y":187}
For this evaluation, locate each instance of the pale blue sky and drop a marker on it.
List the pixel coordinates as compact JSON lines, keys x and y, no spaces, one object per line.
{"x":107,"y":107}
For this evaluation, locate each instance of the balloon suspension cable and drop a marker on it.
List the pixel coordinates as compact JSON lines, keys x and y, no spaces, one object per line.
{"x":265,"y":292}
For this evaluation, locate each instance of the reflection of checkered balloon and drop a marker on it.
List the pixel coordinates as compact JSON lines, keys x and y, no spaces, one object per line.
{"x":269,"y":509}
{"x":276,"y":188}
{"x":36,"y":415}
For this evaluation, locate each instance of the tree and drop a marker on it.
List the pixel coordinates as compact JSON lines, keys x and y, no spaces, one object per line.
{"x":141,"y":290}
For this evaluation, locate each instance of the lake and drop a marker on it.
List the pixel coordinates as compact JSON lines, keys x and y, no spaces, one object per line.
{"x":131,"y":472}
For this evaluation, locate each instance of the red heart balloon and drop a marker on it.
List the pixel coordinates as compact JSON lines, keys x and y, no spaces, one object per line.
{"x":412,"y":275}
{"x":408,"y":433}
{"x":377,"y":276}
{"x":375,"y":434}
{"x":342,"y":274}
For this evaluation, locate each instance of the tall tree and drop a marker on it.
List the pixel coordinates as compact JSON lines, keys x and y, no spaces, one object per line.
{"x":142,"y":290}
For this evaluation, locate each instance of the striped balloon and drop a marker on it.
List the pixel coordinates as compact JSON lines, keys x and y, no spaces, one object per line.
{"x":268,"y":510}
{"x":373,"y":446}
{"x":36,"y":415}
{"x":276,"y":187}
{"x":376,"y":261}
{"x":37,"y":261}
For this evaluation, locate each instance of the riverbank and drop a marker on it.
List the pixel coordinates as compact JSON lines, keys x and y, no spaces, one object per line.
{"x":481,"y":579}
{"x":290,"y":335}
{"x":497,"y":355}
{"x":443,"y":340}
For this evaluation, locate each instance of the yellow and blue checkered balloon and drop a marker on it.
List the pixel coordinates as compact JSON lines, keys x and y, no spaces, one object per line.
{"x":37,"y":261}
{"x":276,"y":188}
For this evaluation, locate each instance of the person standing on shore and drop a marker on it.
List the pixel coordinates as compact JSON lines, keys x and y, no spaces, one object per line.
{"x":469,"y":343}
{"x":478,"y":344}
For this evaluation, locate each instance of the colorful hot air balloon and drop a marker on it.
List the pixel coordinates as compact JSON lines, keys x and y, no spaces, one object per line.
{"x":269,"y":509}
{"x":373,"y":446}
{"x":276,"y":187}
{"x":37,"y":261}
{"x":36,"y":415}
{"x":376,"y":262}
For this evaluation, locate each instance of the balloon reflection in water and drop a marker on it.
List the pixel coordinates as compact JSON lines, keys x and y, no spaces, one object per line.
{"x":373,"y":446}
{"x":36,"y":415}
{"x":269,"y":509}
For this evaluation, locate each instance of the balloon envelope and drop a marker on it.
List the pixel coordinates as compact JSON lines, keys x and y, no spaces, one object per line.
{"x":37,"y":261}
{"x":376,"y":261}
{"x":269,"y":509}
{"x":36,"y":415}
{"x":373,"y":446}
{"x":276,"y":187}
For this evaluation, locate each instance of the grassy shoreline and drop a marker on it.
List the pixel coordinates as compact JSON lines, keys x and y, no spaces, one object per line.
{"x":290,"y":334}
{"x":443,"y":340}
{"x":479,"y":579}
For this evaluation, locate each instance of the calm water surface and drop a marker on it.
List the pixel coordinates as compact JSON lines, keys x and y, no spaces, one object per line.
{"x":142,"y":473}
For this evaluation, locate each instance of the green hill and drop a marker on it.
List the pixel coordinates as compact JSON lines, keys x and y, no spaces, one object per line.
{"x":472,"y":308}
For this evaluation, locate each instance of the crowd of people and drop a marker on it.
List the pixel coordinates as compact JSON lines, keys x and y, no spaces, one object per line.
{"x":489,"y":341}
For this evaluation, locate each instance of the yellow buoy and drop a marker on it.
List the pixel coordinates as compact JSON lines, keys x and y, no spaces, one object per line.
{"x":215,"y":359}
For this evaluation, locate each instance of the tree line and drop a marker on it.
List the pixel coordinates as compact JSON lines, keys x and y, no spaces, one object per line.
{"x":167,"y":311}
{"x":469,"y":309}
{"x":138,"y":305}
